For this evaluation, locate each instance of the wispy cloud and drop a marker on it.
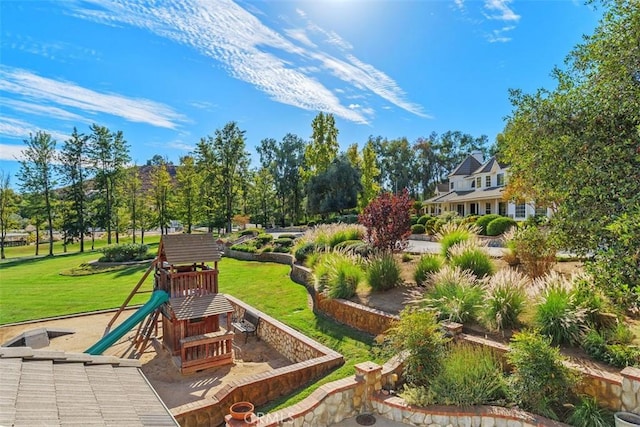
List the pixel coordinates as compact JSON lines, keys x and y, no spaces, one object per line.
{"x":499,"y":36}
{"x":279,"y":64}
{"x":500,"y":10}
{"x":53,"y":50}
{"x":11,"y":151}
{"x":19,"y":129}
{"x":43,"y":110}
{"x":41,"y":90}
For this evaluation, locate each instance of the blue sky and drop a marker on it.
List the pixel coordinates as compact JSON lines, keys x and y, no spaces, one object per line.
{"x":169,"y":73}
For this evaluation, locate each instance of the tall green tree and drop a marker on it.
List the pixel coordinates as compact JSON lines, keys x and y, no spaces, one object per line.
{"x":370,"y":173}
{"x":161,"y":191}
{"x":189,"y":183}
{"x":396,"y":160}
{"x":108,"y":154}
{"x":132,"y":189}
{"x":72,"y":169}
{"x":323,"y":147}
{"x":335,"y":189}
{"x":8,"y":208}
{"x":577,"y":147}
{"x":36,"y":174}
{"x":263,"y":196}
{"x":285,"y":161}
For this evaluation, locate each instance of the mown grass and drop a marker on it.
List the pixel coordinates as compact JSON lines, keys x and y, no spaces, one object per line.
{"x":34,"y":288}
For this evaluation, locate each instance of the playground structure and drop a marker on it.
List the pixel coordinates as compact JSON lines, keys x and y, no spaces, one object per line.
{"x":185,"y":302}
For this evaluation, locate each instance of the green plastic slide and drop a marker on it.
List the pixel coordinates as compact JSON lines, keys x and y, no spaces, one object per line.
{"x":157,"y":299}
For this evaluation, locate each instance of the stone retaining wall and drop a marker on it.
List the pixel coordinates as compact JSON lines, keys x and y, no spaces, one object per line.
{"x":363,"y":393}
{"x":285,"y":340}
{"x":355,"y":315}
{"x":312,"y":360}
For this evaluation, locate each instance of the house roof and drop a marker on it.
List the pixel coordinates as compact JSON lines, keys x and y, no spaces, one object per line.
{"x":194,"y":306}
{"x":488,"y":166}
{"x":467,"y":167}
{"x":480,"y":194}
{"x":42,"y":387}
{"x":442,"y":187}
{"x":189,"y":248}
{"x":448,"y":196}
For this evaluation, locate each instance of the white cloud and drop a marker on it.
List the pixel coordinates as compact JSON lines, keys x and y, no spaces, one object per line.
{"x":43,"y":110}
{"x":15,"y":128}
{"x":459,"y":4}
{"x":38,"y":90}
{"x":498,"y":36}
{"x":500,"y":10}
{"x":354,"y":106}
{"x":226,"y":32}
{"x":11,"y":151}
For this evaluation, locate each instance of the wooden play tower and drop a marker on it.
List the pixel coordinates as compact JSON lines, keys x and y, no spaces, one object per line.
{"x":196,"y":320}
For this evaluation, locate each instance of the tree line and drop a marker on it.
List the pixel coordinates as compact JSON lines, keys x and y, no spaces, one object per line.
{"x":89,"y":183}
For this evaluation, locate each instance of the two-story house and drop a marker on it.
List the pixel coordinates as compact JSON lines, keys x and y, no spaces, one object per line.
{"x":476,"y":187}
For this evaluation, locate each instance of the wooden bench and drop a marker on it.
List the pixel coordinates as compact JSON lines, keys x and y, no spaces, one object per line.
{"x":248,"y":325}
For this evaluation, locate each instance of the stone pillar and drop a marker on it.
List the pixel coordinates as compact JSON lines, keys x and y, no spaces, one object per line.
{"x":369,"y":378}
{"x":630,"y":396}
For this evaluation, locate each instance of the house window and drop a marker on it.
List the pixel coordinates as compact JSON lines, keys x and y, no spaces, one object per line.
{"x":500,"y":178}
{"x":502,"y":208}
{"x":460,"y":209}
{"x":541,"y":211}
{"x":521,"y":210}
{"x":452,"y":185}
{"x":479,"y":182}
{"x":487,"y":208}
{"x":473,"y":184}
{"x":473,"y":208}
{"x":487,"y":181}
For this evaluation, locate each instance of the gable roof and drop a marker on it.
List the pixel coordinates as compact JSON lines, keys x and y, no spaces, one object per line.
{"x":43,"y":387}
{"x":467,"y":167}
{"x":488,"y":166}
{"x":189,"y":248}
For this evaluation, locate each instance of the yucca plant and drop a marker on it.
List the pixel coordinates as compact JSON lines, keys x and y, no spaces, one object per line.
{"x":505,"y":299}
{"x":452,"y":233}
{"x":383,"y":272}
{"x":427,"y":264}
{"x":470,"y":255}
{"x":456,"y":295}
{"x":557,"y":315}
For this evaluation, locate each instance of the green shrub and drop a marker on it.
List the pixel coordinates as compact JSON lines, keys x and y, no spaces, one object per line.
{"x":418,"y":333}
{"x":282,"y":249}
{"x":287,"y":236}
{"x":124,"y":253}
{"x":484,"y":220}
{"x":311,"y":224}
{"x":245,"y":247}
{"x":430,"y":225}
{"x":539,"y":382}
{"x":451,"y":234}
{"x":587,"y":413}
{"x":587,"y":295}
{"x":469,"y":375}
{"x":406,"y":257}
{"x":285,"y":242}
{"x":424,"y":218}
{"x":534,"y":249}
{"x":417,"y":395}
{"x":469,"y":256}
{"x":248,"y":231}
{"x":264,"y":238}
{"x":427,"y":265}
{"x":302,"y":252}
{"x":505,"y":300}
{"x":456,"y":296}
{"x":337,"y":275}
{"x":414,"y":219}
{"x":499,"y":226}
{"x":383,"y":272}
{"x":417,"y":229}
{"x":267,"y":249}
{"x":556,"y":315}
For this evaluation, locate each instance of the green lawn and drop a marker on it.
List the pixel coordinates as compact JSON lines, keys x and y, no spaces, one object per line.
{"x":34,"y":288}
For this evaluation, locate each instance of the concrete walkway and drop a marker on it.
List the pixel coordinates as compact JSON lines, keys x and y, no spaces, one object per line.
{"x":426,"y":247}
